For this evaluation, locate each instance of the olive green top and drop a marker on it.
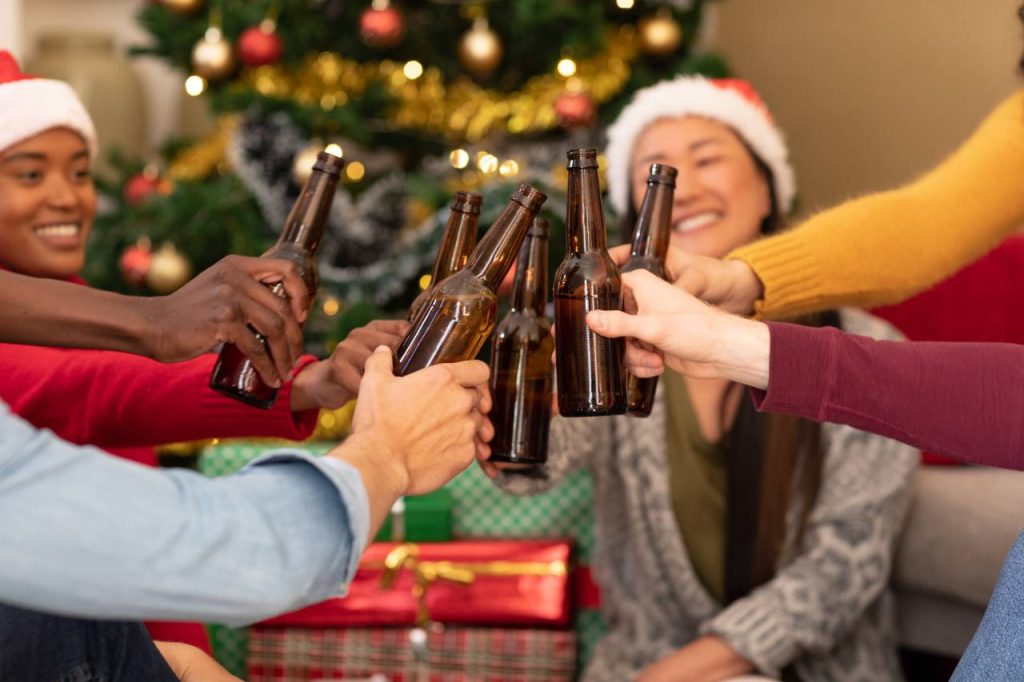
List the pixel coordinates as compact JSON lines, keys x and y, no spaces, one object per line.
{"x":697,"y":482}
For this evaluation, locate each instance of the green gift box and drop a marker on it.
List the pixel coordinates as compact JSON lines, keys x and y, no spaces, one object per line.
{"x":423,"y":518}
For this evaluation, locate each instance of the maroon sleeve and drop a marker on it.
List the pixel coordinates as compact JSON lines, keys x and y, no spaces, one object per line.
{"x":965,"y":400}
{"x":115,"y":400}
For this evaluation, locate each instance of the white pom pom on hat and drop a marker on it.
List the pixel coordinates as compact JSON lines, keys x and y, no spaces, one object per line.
{"x":29,"y":106}
{"x":732,"y":102}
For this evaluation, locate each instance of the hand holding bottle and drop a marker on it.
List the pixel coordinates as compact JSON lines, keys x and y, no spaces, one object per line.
{"x":331,"y":383}
{"x":428,"y":426}
{"x":729,"y":284}
{"x":223,"y":304}
{"x":690,"y":336}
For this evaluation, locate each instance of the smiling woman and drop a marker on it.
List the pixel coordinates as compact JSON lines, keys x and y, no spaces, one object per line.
{"x":49,"y":203}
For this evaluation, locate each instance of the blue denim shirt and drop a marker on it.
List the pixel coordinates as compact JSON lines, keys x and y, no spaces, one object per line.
{"x":85,"y":534}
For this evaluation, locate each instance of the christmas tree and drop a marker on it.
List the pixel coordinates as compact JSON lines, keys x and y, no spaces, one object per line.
{"x":423,"y":98}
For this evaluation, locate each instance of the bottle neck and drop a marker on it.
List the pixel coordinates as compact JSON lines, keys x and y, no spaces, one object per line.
{"x":493,"y":256}
{"x":309,"y":215}
{"x":584,"y":219}
{"x":529,"y":292}
{"x":456,"y":245}
{"x":653,"y":224}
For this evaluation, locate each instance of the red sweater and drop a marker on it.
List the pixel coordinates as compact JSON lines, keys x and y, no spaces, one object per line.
{"x":117,"y":400}
{"x":965,"y":400}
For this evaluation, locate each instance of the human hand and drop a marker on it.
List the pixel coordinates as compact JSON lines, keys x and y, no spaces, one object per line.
{"x":430,"y":424}
{"x":729,"y":284}
{"x":223,"y":304}
{"x":331,"y":383}
{"x":192,"y":664}
{"x":706,"y":659}
{"x":690,"y":336}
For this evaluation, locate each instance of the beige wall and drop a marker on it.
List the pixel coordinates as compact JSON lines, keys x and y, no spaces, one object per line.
{"x":871,"y":92}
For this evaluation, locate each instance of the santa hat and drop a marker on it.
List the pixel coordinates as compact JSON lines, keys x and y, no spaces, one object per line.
{"x":731,"y":102}
{"x":29,"y":106}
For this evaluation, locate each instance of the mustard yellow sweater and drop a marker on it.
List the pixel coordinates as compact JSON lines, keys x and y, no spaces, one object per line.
{"x":885,"y":247}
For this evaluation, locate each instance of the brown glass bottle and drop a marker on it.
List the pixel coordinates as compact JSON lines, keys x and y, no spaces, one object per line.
{"x":521,"y":367}
{"x":456,"y":244}
{"x":458,"y":317}
{"x":650,"y":245}
{"x":590,"y":367}
{"x":234,"y":374}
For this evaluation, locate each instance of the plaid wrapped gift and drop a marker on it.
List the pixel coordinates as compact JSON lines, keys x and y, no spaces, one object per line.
{"x":451,"y":654}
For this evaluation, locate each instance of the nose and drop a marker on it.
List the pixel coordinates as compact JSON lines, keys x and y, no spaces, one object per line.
{"x":60,"y":192}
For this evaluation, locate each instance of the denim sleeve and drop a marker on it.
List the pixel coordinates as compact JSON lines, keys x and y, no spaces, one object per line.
{"x":84,"y":534}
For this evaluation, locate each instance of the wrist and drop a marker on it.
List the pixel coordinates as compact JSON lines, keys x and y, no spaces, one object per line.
{"x":144,"y":325}
{"x":303,"y":389}
{"x":747,"y":288}
{"x":742,"y":350}
{"x":377,"y":459}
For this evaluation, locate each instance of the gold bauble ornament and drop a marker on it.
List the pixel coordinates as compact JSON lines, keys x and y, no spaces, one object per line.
{"x":480,"y":49}
{"x":168,"y":270}
{"x":212,"y":57}
{"x":182,"y":6}
{"x":660,"y":35}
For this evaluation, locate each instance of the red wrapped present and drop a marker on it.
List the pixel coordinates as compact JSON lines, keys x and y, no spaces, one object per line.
{"x":440,"y":654}
{"x":477,"y":582}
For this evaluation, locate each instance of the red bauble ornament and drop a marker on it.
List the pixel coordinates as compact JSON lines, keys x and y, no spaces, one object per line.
{"x":381,"y":25}
{"x":145,"y":185}
{"x":135,"y":261}
{"x":260,"y":45}
{"x":575,"y":109}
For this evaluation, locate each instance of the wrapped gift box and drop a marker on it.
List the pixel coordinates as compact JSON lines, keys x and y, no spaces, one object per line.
{"x":448,"y":654}
{"x":505,"y":583}
{"x":421,"y":518}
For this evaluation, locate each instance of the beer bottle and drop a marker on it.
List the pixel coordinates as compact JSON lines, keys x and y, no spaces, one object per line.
{"x":458,"y":317}
{"x":591,"y":372}
{"x":521,"y":362}
{"x":650,"y":245}
{"x":456,"y":244}
{"x":234,"y":374}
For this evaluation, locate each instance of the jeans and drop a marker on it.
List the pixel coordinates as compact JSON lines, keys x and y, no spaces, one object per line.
{"x":996,"y":652}
{"x":38,"y":646}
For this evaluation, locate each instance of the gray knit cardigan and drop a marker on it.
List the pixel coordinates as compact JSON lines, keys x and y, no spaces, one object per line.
{"x":828,"y":609}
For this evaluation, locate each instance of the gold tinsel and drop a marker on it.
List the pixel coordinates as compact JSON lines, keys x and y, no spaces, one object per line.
{"x":460,"y":110}
{"x":202,"y":158}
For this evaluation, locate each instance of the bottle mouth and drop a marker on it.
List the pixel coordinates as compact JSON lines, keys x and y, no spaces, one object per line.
{"x":582,"y":158}
{"x":467,"y":202}
{"x":530,"y":197}
{"x":662,"y":174}
{"x":329,"y":163}
{"x":538,"y":228}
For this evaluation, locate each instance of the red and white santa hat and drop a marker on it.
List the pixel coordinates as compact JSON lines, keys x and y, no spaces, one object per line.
{"x":29,"y":106}
{"x":729,"y":101}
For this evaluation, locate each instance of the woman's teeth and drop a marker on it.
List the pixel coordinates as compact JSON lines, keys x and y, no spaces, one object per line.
{"x":695,"y":222}
{"x":67,"y":230}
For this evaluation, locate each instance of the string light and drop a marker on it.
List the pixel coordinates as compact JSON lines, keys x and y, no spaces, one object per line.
{"x":355,"y":171}
{"x":195,"y":85}
{"x":335,"y":150}
{"x":332,"y":306}
{"x":488,"y":163}
{"x":459,"y":158}
{"x":625,"y":4}
{"x":508,"y":168}
{"x":566,"y":67}
{"x":412,"y":70}
{"x":424,"y":282}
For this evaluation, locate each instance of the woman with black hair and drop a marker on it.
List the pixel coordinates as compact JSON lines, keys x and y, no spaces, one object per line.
{"x":728,"y":542}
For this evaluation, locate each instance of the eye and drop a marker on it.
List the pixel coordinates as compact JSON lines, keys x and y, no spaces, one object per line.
{"x":82,"y":175}
{"x":706,"y":161}
{"x":29,"y":177}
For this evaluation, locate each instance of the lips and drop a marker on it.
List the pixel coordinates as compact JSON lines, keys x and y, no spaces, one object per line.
{"x":696,"y":222}
{"x":60,"y":235}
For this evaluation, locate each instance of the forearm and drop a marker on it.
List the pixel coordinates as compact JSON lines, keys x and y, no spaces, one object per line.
{"x":125,"y":400}
{"x":706,"y":659}
{"x":170,"y":545}
{"x":383,"y":476}
{"x":49,"y":312}
{"x":964,"y":400}
{"x":885,"y":247}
